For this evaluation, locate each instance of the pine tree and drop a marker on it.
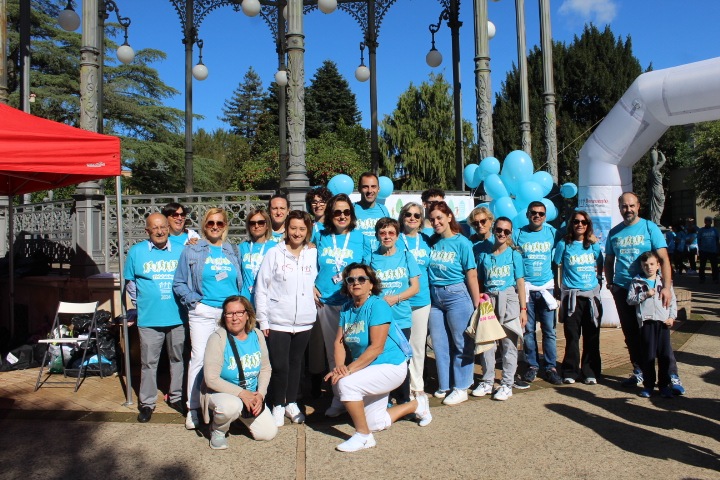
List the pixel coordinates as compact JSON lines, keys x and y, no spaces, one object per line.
{"x":242,"y":111}
{"x":328,"y":100}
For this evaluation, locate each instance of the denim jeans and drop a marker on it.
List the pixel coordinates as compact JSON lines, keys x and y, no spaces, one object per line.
{"x":454,"y":351}
{"x":537,"y":310}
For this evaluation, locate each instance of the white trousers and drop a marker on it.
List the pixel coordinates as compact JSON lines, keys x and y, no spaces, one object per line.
{"x":203,"y":321}
{"x":227,"y":408}
{"x":418,"y":343}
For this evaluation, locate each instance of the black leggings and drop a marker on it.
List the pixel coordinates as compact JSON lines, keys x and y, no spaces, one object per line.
{"x":286,"y":356}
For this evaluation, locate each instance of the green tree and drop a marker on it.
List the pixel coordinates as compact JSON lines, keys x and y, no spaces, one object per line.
{"x":420,"y":134}
{"x":328,"y":100}
{"x":705,"y":155}
{"x":242,"y":111}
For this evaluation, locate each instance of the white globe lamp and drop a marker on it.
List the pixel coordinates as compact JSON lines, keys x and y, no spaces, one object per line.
{"x":125,"y":54}
{"x":362,"y":73}
{"x":433,"y":58}
{"x":491,"y":29}
{"x":69,"y":20}
{"x":200,"y":72}
{"x":281,"y":78}
{"x":327,"y":6}
{"x":251,"y":7}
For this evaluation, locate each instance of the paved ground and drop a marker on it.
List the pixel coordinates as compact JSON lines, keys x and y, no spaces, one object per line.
{"x":573,"y":431}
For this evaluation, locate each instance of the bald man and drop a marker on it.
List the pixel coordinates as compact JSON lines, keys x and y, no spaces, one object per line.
{"x":149,"y":271}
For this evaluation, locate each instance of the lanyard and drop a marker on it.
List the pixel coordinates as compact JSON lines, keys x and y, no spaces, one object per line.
{"x":255,"y":265}
{"x":417,"y":242}
{"x":339,"y":255}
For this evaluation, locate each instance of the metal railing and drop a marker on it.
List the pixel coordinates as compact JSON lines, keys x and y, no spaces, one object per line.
{"x":45,"y":229}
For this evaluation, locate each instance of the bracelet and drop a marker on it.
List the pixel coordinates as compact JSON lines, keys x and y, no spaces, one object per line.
{"x":523,"y":308}
{"x":398,"y":299}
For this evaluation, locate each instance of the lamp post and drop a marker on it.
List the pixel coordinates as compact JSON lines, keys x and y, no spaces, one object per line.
{"x":4,"y":92}
{"x":548,"y":90}
{"x":522,"y":67}
{"x":484,"y":31}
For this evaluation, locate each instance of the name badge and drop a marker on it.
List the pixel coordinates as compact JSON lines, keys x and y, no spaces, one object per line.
{"x":337,"y":279}
{"x":220,"y":276}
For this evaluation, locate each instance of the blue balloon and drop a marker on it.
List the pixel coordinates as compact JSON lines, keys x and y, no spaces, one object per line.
{"x":517,"y":169}
{"x":341,"y":184}
{"x":484,"y":204}
{"x":490,"y":165}
{"x":469,"y":175}
{"x":479,"y":177}
{"x":550,"y":209}
{"x":494,"y":186}
{"x":520,"y":220}
{"x":545,"y":180}
{"x":386,"y":188}
{"x":529,"y":192}
{"x":568,"y":190}
{"x":504,"y":208}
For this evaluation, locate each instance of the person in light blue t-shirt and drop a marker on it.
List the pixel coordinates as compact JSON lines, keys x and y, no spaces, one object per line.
{"x":455,"y":295}
{"x":278,"y":206}
{"x":367,"y":210}
{"x":149,"y":271}
{"x":176,"y":214}
{"x":580,"y":262}
{"x":253,"y":250}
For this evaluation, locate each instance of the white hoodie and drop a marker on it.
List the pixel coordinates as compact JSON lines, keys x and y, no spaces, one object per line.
{"x":284,"y":290}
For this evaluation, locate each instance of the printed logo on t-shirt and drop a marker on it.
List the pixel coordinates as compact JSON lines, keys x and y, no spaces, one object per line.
{"x":367,"y":225}
{"x":249,"y":360}
{"x":219,"y":264}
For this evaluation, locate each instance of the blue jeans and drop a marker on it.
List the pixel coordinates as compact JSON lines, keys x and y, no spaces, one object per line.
{"x":537,"y":310}
{"x":454,"y":351}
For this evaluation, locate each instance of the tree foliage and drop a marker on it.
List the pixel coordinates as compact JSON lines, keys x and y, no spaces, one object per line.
{"x":705,"y":154}
{"x":420,"y":135}
{"x":242,"y":111}
{"x":329,"y":100}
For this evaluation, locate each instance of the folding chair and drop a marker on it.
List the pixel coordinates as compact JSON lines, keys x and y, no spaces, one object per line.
{"x":66,"y":308}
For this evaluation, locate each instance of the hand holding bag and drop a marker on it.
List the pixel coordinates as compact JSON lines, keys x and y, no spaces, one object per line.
{"x":484,"y":326}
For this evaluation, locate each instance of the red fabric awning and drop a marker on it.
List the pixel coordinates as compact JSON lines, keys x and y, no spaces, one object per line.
{"x":39,"y":154}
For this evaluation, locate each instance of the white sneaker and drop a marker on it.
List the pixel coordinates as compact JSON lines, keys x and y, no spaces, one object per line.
{"x":336,"y":408}
{"x":502,"y":393}
{"x":278,"y":413}
{"x":292,"y":411}
{"x":568,"y":380}
{"x":423,"y":411}
{"x":357,"y":442}
{"x":483,"y":388}
{"x":440,"y":394}
{"x":456,"y":396}
{"x":192,"y":421}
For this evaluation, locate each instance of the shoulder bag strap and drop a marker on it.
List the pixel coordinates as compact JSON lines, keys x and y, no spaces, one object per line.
{"x":241,"y":373}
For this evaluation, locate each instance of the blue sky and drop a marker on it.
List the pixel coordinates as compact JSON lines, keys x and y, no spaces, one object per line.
{"x":666,"y":33}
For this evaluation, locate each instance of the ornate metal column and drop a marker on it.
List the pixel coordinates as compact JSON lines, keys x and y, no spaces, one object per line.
{"x":297,"y":180}
{"x":454,"y":23}
{"x":549,"y":90}
{"x":372,"y":44}
{"x":482,"y":81}
{"x":4,"y":92}
{"x":190,"y":33}
{"x":282,"y":101}
{"x":522,"y":66}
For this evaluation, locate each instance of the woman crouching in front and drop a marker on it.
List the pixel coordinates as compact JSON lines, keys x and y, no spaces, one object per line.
{"x":232,"y":392}
{"x":378,"y":363}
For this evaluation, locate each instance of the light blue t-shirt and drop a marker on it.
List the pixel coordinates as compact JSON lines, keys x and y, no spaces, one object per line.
{"x":418,"y":246}
{"x":317,"y":228}
{"x":251,"y":257}
{"x":707,"y":240}
{"x":450,"y":258}
{"x":670,"y":240}
{"x":580,"y":266}
{"x":627,"y":243}
{"x":179,"y":240}
{"x":152,"y":270}
{"x":394,"y":272}
{"x":335,"y":252}
{"x":483,"y":246}
{"x":219,"y":278}
{"x":537,"y":253}
{"x":498,"y":272}
{"x":356,"y":324}
{"x":249,"y":353}
{"x":651,"y":283}
{"x":366,"y":220}
{"x":277,"y":237}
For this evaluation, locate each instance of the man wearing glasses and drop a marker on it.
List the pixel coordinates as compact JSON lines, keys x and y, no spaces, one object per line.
{"x":367,"y":210}
{"x":176,"y":215}
{"x":537,"y":241}
{"x":149,"y":272}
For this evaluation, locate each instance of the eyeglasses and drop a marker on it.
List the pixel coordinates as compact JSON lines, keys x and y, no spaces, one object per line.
{"x":416,"y":216}
{"x":503,"y":231}
{"x":477,"y":223}
{"x":340,"y":213}
{"x":577,"y":221}
{"x":352,"y":280}
{"x":178,"y":215}
{"x":237,"y":314}
{"x":213,"y":223}
{"x":315,"y":203}
{"x":256,"y":223}
{"x":535,"y":213}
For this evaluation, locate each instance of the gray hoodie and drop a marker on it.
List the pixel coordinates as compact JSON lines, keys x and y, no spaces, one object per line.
{"x":650,"y":308}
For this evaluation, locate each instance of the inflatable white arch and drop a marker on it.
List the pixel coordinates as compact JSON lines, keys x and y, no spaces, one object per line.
{"x":654,"y":102}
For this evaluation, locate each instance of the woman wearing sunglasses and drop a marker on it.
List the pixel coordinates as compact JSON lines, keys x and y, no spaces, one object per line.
{"x":286,"y":311}
{"x":253,"y":250}
{"x":481,"y":221}
{"x":207,"y":273}
{"x":454,"y":294}
{"x":500,"y":275}
{"x":580,"y":264}
{"x":412,"y":221}
{"x":339,"y":245}
{"x":316,"y":202}
{"x":378,"y":364}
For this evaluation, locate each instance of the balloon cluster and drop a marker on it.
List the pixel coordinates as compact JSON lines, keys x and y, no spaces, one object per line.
{"x":344,"y":184}
{"x":515,"y":187}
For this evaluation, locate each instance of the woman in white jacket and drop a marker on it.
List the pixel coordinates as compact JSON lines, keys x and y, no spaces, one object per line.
{"x":286,"y":311}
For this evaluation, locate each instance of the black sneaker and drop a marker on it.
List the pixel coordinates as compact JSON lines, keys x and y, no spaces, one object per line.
{"x":553,"y":377}
{"x":530,"y":375}
{"x":521,"y":385}
{"x":178,"y":406}
{"x":145,"y":414}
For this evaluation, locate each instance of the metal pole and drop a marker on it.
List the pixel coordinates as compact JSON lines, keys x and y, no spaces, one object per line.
{"x":549,"y":90}
{"x":89,"y":67}
{"x":4,"y":92}
{"x":454,"y":23}
{"x":11,"y":263}
{"x":522,"y":67}
{"x":482,"y":81}
{"x":188,"y":40}
{"x":24,"y":55}
{"x":121,"y":277}
{"x":371,"y":42}
{"x":100,"y":42}
{"x":282,"y":100}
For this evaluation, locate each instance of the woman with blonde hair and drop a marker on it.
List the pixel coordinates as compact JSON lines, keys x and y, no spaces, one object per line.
{"x":481,"y":221}
{"x":207,"y":273}
{"x":252,"y":250}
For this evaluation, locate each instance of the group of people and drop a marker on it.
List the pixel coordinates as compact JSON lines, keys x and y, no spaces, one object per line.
{"x":697,"y":246}
{"x":361,"y":293}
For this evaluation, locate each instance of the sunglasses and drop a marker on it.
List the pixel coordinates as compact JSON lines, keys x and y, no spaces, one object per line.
{"x":477,"y":223}
{"x":256,"y":223}
{"x":577,"y":221}
{"x":535,"y":213}
{"x":503,"y":231}
{"x":361,"y":280}
{"x":177,"y":215}
{"x":416,"y":216}
{"x":213,"y":223}
{"x":340,"y":213}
